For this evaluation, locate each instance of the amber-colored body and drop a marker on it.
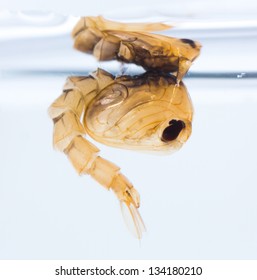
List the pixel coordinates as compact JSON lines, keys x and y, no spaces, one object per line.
{"x":151,"y":111}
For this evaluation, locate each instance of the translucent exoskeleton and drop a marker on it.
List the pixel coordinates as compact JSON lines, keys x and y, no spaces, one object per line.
{"x":151,"y":111}
{"x":145,"y":112}
{"x":133,"y":43}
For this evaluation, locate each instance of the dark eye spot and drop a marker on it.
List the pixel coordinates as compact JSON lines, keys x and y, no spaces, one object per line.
{"x":171,"y":132}
{"x":189,"y":42}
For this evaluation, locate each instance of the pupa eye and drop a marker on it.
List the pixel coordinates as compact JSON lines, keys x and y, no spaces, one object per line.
{"x":171,"y":132}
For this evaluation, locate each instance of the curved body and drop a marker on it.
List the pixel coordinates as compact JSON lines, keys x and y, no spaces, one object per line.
{"x":152,"y":111}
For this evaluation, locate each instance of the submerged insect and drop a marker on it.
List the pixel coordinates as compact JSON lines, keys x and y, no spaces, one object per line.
{"x":132,"y":43}
{"x":151,"y":111}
